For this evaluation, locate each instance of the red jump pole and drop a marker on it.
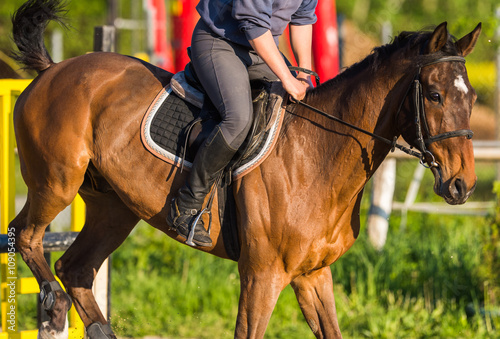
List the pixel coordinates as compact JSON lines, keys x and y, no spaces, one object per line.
{"x":162,"y":51}
{"x":325,"y":43}
{"x":184,"y":21}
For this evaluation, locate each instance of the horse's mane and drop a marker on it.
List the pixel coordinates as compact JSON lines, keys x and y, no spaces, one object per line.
{"x":407,"y":41}
{"x":410,"y":43}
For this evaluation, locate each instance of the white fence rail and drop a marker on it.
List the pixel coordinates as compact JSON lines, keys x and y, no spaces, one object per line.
{"x":383,"y":203}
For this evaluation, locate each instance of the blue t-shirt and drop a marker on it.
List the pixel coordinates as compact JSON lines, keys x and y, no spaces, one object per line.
{"x":243,"y":20}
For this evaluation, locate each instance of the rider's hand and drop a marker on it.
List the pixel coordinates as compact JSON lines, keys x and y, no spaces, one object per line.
{"x":266,"y":48}
{"x":305,"y":78}
{"x":296,"y":87}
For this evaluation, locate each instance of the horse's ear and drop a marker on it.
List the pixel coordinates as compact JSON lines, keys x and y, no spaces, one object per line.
{"x":467,"y":43}
{"x":438,"y":38}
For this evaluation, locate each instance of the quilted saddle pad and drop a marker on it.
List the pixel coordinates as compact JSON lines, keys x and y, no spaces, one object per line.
{"x":165,"y":124}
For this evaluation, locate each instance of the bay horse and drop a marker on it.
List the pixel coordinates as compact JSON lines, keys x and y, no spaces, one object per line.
{"x":77,"y":127}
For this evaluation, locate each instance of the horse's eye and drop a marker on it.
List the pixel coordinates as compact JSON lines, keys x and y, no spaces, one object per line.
{"x":435,"y":97}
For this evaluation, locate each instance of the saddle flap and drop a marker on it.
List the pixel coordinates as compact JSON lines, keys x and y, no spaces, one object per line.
{"x":261,"y":115}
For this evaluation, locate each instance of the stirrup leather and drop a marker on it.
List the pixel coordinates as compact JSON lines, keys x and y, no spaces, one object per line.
{"x":206,"y":210}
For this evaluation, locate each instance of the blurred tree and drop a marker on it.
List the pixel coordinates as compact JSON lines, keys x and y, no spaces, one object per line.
{"x":489,"y":270}
{"x":82,"y":17}
{"x":410,"y":15}
{"x":6,"y":10}
{"x":462,"y":16}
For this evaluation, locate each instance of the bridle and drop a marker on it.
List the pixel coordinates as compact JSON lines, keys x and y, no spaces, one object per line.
{"x":421,"y":118}
{"x":424,"y":154}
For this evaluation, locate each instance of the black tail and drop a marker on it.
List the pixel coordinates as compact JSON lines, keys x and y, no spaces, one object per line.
{"x":28,"y":25}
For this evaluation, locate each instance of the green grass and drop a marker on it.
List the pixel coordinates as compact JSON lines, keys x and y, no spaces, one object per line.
{"x":421,"y":285}
{"x":485,"y":171}
{"x":164,"y":284}
{"x":418,"y":286}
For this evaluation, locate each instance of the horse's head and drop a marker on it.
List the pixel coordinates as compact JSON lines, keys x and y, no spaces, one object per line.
{"x":437,"y":113}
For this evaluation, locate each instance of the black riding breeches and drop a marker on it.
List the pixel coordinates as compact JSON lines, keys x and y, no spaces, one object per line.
{"x":225,"y":70}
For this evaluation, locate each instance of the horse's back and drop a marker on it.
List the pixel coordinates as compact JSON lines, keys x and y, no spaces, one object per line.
{"x":88,"y":107}
{"x":78,"y":94}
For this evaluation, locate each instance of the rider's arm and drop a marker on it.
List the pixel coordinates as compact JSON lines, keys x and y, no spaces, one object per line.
{"x":301,"y":41}
{"x":266,"y":48}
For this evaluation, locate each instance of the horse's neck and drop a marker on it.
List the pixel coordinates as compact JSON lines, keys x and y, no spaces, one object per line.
{"x":350,"y":156}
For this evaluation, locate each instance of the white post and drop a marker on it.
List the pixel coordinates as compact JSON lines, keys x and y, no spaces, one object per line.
{"x":57,"y":45}
{"x":104,"y":38}
{"x":100,"y":288}
{"x":384,"y":181}
{"x":411,"y":195}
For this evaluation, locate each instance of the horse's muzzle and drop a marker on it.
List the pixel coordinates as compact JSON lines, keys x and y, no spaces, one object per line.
{"x":454,"y":191}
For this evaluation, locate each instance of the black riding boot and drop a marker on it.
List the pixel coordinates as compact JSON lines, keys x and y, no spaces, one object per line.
{"x":212,"y":157}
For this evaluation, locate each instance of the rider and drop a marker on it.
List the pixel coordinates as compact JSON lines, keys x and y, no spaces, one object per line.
{"x":234,"y":42}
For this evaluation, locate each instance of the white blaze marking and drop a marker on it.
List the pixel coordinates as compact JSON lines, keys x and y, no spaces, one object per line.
{"x":460,"y":84}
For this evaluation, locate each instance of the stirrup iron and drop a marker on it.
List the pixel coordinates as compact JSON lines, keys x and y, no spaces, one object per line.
{"x":189,"y":240}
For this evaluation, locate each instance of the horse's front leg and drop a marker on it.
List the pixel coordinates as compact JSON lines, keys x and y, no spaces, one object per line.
{"x":314,"y":293}
{"x":260,"y":289}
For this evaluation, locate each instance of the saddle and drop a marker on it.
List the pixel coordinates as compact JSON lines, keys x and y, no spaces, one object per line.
{"x":181,"y":117}
{"x":186,"y":85}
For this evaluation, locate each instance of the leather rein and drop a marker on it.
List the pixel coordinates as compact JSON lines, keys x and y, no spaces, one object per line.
{"x":421,"y":125}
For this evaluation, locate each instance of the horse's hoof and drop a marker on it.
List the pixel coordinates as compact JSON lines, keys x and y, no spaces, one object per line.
{"x":47,"y":332}
{"x":100,"y":331}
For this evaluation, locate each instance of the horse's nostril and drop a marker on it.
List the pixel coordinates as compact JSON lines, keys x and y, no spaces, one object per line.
{"x":458,"y":189}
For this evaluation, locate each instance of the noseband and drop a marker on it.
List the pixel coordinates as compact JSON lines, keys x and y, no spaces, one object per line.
{"x":424,"y":155}
{"x":421,"y":118}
